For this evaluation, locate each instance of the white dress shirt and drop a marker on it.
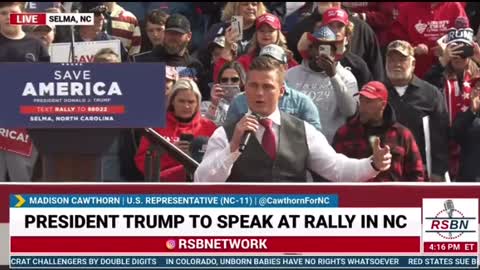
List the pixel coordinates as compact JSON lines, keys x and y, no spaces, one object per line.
{"x":218,"y":161}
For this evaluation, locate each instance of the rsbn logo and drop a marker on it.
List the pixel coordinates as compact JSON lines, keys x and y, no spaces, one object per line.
{"x":456,"y":219}
{"x":450,"y":223}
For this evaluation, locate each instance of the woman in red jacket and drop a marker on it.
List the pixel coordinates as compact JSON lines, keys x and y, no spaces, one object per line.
{"x":183,"y":117}
{"x":268,"y":31}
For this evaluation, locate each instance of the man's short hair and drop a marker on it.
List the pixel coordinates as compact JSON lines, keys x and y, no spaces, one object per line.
{"x":266,"y":63}
{"x":8,"y":4}
{"x":106,"y":55}
{"x":157,"y":16}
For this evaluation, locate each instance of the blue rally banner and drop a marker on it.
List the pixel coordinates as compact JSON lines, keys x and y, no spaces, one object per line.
{"x":41,"y":6}
{"x":83,"y":95}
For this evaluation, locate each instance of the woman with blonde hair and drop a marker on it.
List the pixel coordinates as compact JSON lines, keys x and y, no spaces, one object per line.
{"x":183,"y":124}
{"x":249,"y":11}
{"x":268,"y":31}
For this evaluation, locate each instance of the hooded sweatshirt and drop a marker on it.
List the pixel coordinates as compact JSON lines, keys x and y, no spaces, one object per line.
{"x":332,"y":96}
{"x":171,"y":170}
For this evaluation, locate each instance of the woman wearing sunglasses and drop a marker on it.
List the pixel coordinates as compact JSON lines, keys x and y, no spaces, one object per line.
{"x":230,"y":82}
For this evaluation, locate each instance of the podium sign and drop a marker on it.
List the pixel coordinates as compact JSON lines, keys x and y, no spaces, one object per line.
{"x":84,"y":51}
{"x":83,"y":95}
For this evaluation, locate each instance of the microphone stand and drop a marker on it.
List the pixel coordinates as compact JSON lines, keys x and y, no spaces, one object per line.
{"x":72,"y":44}
{"x":155,"y":138}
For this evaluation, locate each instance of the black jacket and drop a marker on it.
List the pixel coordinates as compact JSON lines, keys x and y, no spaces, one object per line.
{"x":358,"y":67}
{"x":473,"y":12}
{"x":466,"y":131}
{"x":436,"y":76}
{"x":423,"y":99}
{"x":193,"y":67}
{"x":364,"y":42}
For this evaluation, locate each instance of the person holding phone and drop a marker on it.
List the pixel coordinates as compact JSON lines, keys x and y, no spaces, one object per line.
{"x":363,"y":42}
{"x":248,"y":11}
{"x":268,"y":31}
{"x":422,"y":24}
{"x":324,"y":79}
{"x":453,"y":77}
{"x":230,"y":82}
{"x":337,"y":19}
{"x":184,"y":123}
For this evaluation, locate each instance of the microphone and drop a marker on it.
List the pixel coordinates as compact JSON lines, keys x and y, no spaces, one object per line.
{"x":198,"y":146}
{"x":449,"y":207}
{"x":246,"y":136}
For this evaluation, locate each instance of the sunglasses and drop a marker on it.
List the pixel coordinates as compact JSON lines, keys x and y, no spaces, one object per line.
{"x":232,"y":80}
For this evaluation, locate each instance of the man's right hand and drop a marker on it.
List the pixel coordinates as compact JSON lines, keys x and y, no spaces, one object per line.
{"x":246,"y":124}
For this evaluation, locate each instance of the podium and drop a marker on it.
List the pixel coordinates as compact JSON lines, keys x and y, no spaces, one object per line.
{"x":73,"y":155}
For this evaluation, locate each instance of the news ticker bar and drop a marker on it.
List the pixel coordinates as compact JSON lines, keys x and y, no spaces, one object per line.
{"x":245,"y":262}
{"x":166,"y":200}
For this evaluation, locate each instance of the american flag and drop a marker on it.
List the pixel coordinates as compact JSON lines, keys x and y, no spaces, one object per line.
{"x":324,"y":33}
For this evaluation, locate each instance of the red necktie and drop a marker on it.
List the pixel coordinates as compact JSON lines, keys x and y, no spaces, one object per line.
{"x":268,"y":140}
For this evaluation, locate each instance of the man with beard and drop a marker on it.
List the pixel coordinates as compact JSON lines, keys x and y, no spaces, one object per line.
{"x":326,"y":81}
{"x":413,"y":99}
{"x":174,"y":52}
{"x":376,"y":120}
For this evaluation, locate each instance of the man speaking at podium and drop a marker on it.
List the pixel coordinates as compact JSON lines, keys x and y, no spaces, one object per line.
{"x":267,"y":145}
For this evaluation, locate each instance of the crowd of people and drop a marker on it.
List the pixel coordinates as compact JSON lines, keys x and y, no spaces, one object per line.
{"x":334,"y":91}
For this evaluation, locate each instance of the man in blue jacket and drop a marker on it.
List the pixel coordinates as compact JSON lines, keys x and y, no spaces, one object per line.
{"x":293,"y":102}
